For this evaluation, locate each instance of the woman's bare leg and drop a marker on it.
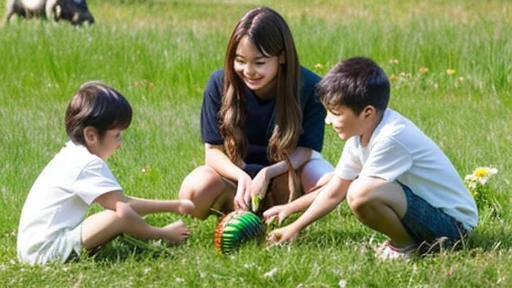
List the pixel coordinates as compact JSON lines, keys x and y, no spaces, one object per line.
{"x":312,"y":175}
{"x":206,"y":189}
{"x":315,"y":174}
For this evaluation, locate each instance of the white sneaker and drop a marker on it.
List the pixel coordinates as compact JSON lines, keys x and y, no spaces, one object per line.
{"x":389,"y":252}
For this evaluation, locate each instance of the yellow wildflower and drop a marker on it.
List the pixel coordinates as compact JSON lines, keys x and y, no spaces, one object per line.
{"x":423,"y":70}
{"x":481,"y":172}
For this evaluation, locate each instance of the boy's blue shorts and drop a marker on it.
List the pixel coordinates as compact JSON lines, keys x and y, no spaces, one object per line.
{"x":426,"y":223}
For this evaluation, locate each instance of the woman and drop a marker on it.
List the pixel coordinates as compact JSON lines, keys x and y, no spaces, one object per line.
{"x":262,"y":125}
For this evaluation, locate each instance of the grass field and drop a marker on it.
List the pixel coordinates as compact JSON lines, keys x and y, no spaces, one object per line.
{"x":451,"y":70}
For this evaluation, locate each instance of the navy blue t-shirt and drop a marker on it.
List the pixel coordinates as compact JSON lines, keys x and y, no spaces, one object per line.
{"x":260,"y":119}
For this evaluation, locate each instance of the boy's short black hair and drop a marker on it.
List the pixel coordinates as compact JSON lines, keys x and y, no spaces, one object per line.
{"x":355,"y":83}
{"x":97,"y":105}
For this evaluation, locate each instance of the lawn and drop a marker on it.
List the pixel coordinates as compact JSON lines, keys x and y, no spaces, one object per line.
{"x":451,"y":72}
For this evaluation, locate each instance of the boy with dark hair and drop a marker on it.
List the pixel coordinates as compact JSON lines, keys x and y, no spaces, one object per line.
{"x":52,"y":225}
{"x":396,"y":180}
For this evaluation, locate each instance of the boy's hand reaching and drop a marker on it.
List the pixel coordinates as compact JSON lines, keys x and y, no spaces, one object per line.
{"x":186,"y":206}
{"x":278,"y":212}
{"x":281,"y":235}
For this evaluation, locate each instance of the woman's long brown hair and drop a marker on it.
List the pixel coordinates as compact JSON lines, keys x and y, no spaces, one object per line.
{"x":270,"y":34}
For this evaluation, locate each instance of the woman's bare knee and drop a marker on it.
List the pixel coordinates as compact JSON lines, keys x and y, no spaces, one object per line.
{"x":315,"y":173}
{"x":201,"y":179}
{"x":202,"y":186}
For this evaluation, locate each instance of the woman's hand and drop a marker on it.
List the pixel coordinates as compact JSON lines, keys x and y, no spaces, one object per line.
{"x":243,"y":193}
{"x":259,"y":188}
{"x":260,"y":183}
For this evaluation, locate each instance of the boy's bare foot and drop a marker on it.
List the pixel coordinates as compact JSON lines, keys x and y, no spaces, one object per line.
{"x":175,"y":233}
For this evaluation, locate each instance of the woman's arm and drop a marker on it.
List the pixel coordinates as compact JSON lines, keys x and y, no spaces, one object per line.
{"x":219,"y":161}
{"x":298,"y":158}
{"x":259,"y":184}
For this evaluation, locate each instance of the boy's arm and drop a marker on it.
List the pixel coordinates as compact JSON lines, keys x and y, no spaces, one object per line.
{"x":148,"y":206}
{"x":142,"y":206}
{"x":281,"y":212}
{"x":118,"y":202}
{"x":110,"y":199}
{"x":327,"y":199}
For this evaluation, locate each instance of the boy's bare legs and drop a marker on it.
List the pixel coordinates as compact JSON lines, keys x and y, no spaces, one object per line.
{"x":206,"y":189}
{"x":102,"y":227}
{"x":380,"y":205}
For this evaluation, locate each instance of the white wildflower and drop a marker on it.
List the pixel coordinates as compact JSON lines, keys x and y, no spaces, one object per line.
{"x":270,"y":273}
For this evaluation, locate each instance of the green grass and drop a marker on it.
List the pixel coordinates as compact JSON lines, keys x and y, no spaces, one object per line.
{"x":159,"y":55}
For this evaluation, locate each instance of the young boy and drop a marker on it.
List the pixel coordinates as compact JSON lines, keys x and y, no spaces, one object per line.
{"x":52,"y":224}
{"x":396,"y":180}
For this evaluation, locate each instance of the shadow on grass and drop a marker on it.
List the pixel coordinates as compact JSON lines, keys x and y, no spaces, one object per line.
{"x":125,"y":247}
{"x":487,"y":240}
{"x":490,"y":239}
{"x":336,"y":238}
{"x":493,"y":231}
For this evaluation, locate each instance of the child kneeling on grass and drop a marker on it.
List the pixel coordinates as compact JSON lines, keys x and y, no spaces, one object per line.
{"x":52,"y":224}
{"x":397,"y":181}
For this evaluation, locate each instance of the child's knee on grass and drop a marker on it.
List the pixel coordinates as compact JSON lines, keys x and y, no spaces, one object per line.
{"x":100,"y":228}
{"x":369,"y":191}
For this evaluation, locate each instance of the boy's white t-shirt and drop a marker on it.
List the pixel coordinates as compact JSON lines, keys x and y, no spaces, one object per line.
{"x":58,"y":202}
{"x":399,"y":151}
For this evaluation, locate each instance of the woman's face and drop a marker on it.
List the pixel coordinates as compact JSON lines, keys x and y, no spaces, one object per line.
{"x":257,"y":71}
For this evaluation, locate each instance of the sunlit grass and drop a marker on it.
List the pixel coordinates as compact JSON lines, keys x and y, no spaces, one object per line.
{"x":450,"y":69}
